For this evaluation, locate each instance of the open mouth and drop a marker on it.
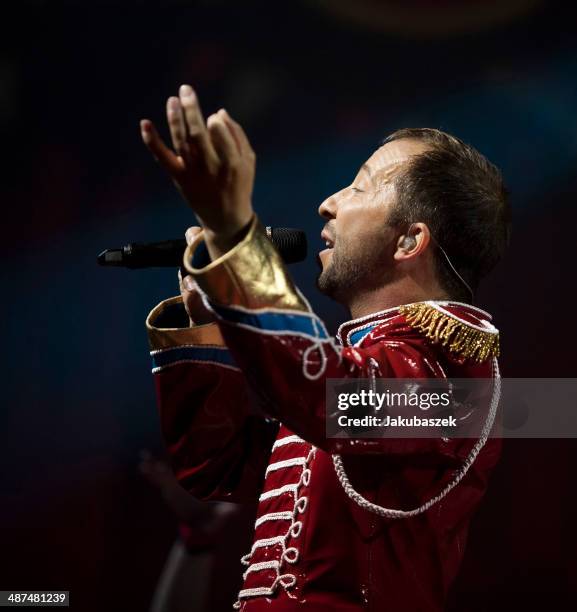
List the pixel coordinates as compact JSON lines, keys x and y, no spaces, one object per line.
{"x":329,"y":242}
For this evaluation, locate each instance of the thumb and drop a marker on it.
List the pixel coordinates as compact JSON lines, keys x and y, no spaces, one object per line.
{"x":191,"y":233}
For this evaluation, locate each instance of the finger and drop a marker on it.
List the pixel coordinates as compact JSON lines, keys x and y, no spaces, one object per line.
{"x":239,"y":134}
{"x":232,"y":129}
{"x":198,"y":136}
{"x":191,"y":233}
{"x":163,"y":155}
{"x":189,"y":284}
{"x":177,"y":127}
{"x":182,"y":273}
{"x":222,"y":140}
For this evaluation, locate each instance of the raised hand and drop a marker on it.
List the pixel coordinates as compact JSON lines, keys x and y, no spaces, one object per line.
{"x":212,"y":164}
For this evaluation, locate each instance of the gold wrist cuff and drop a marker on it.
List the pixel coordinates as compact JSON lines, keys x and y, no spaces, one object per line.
{"x":252,"y":274}
{"x":171,"y":337}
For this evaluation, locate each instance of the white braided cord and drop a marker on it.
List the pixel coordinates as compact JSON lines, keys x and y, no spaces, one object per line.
{"x":279,"y":465}
{"x":289,"y":554}
{"x":318,"y":344}
{"x":294,"y":439}
{"x":288,"y":488}
{"x":274,"y":516}
{"x":391,"y":513}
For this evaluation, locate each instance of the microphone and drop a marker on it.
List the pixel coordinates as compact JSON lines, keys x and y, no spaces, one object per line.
{"x":291,"y":244}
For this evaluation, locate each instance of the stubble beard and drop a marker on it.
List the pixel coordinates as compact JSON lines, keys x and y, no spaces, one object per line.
{"x":350,"y":273}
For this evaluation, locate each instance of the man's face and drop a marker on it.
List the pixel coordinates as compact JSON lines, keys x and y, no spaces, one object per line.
{"x":359,"y":255}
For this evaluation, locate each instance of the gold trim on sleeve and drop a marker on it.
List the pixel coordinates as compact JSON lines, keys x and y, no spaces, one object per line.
{"x":460,"y":337}
{"x":252,"y":274}
{"x":170,"y":337}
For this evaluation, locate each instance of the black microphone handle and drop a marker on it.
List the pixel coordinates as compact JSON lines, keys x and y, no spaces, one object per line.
{"x":291,"y":244}
{"x":164,"y":254}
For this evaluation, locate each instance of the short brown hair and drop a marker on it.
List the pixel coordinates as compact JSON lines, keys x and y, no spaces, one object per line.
{"x":461,"y":197}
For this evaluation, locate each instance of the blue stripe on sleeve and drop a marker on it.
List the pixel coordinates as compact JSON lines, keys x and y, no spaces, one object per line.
{"x":208,"y":354}
{"x":274,"y":321}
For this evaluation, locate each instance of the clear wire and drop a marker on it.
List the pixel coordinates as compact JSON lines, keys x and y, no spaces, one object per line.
{"x":449,"y":262}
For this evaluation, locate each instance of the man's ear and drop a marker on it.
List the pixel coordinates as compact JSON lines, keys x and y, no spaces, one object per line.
{"x":413,"y":243}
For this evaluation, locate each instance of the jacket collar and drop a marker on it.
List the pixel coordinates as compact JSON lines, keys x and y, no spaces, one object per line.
{"x":351,"y":333}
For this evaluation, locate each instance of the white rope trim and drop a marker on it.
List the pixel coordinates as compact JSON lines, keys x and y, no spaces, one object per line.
{"x":318,"y":344}
{"x":285,"y":463}
{"x":268,"y":309}
{"x":266,"y":542}
{"x":279,"y":332}
{"x":288,"y":488}
{"x":390,"y":513}
{"x":253,"y":593}
{"x":259,"y":567}
{"x":289,"y":554}
{"x":368,"y":325}
{"x":365,"y":318}
{"x":451,"y":303}
{"x":285,"y":580}
{"x":274,"y":516}
{"x":287,"y":440}
{"x":309,"y":313}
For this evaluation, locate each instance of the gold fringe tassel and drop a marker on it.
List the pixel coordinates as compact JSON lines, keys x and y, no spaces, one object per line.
{"x":456,"y":335}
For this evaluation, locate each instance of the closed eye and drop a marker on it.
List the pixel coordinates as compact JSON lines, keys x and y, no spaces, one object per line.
{"x":356,"y":190}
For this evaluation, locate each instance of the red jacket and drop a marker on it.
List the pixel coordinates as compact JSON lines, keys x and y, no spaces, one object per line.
{"x":342,"y":524}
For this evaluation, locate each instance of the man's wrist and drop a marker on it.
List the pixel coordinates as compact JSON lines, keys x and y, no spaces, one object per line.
{"x":250,"y":274}
{"x":220,"y":242}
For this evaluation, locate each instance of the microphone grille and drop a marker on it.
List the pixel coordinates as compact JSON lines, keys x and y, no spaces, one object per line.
{"x":291,"y":243}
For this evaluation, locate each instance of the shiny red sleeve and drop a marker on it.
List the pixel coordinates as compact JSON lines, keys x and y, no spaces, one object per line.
{"x":218,"y":443}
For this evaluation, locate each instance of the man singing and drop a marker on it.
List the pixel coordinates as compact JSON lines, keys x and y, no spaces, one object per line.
{"x":240,"y":363}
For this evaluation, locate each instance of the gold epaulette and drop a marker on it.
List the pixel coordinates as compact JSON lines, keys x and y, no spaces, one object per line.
{"x":464,"y":339}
